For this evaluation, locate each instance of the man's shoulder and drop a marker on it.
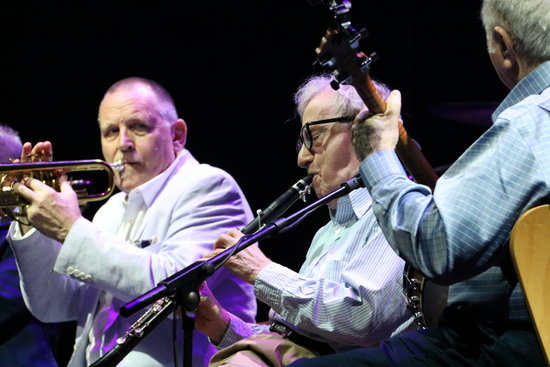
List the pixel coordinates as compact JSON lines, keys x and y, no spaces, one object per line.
{"x":189,"y":171}
{"x":533,"y":108}
{"x":201,"y":173}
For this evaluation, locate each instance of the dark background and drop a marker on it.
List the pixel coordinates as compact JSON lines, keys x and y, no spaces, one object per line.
{"x":232,"y":68}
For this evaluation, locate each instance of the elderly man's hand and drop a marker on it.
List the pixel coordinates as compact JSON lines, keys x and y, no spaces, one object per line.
{"x":211,"y":318}
{"x":245,"y":264}
{"x":380,"y":131}
{"x":52,"y":213}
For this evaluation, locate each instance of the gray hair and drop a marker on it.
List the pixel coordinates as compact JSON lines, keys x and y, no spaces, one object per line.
{"x":166,"y":107}
{"x":346,"y":100}
{"x":527,"y":22}
{"x":10,"y":144}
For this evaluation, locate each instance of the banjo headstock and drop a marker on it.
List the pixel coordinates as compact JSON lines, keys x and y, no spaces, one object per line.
{"x":339,"y":53}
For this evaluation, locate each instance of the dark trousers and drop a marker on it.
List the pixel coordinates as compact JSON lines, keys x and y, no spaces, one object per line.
{"x":460,"y":341}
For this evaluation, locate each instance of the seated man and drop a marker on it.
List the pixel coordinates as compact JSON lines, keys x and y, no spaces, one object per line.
{"x":169,"y":213}
{"x":458,"y":234}
{"x":348,"y":291}
{"x":24,"y":340}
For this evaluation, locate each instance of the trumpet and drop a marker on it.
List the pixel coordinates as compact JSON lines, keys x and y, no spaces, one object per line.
{"x":13,"y":204}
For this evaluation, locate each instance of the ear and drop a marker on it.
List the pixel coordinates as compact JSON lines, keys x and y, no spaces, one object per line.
{"x":504,"y":43}
{"x":179,"y":134}
{"x":506,"y":53}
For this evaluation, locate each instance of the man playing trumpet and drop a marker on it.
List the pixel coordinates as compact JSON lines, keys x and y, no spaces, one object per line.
{"x":169,"y":212}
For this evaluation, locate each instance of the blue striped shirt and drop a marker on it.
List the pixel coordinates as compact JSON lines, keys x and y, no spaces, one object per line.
{"x":348,"y":291}
{"x":459,"y":234}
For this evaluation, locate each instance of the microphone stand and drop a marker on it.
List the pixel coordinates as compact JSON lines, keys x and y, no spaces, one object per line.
{"x":184,"y":285}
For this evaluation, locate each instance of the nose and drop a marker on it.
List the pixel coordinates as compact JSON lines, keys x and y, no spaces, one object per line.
{"x":125,"y":143}
{"x":305,"y":157}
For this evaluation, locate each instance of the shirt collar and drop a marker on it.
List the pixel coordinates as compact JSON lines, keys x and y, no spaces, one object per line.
{"x":534,"y":83}
{"x":150,"y":189}
{"x":352,"y":206}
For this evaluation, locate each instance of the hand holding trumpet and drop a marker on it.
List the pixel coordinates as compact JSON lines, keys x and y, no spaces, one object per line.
{"x":52,"y":213}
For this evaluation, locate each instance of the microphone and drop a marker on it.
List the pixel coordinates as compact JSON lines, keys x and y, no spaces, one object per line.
{"x":279,"y":205}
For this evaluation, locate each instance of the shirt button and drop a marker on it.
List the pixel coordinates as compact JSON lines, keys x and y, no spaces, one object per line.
{"x":337,"y":231}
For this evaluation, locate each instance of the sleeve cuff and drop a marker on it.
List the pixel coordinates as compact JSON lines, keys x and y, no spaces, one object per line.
{"x":271,"y":281}
{"x":380,"y":165}
{"x":237,"y":330}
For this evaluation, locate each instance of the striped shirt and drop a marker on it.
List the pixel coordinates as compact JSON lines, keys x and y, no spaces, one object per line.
{"x":348,"y":291}
{"x":459,"y":234}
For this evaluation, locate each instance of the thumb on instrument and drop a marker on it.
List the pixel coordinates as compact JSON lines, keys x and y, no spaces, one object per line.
{"x":393,"y":104}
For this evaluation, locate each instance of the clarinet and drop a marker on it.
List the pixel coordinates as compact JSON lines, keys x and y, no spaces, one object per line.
{"x":162,"y":307}
{"x":137,"y":331}
{"x":280,"y":205}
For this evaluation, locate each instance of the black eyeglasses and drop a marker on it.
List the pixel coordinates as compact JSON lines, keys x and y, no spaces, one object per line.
{"x":306,"y":139}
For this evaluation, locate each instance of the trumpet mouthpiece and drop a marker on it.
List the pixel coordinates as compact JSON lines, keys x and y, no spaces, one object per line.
{"x":117,"y":165}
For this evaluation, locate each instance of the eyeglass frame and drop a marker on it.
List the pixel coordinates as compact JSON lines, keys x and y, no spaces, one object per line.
{"x":305,"y":130}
